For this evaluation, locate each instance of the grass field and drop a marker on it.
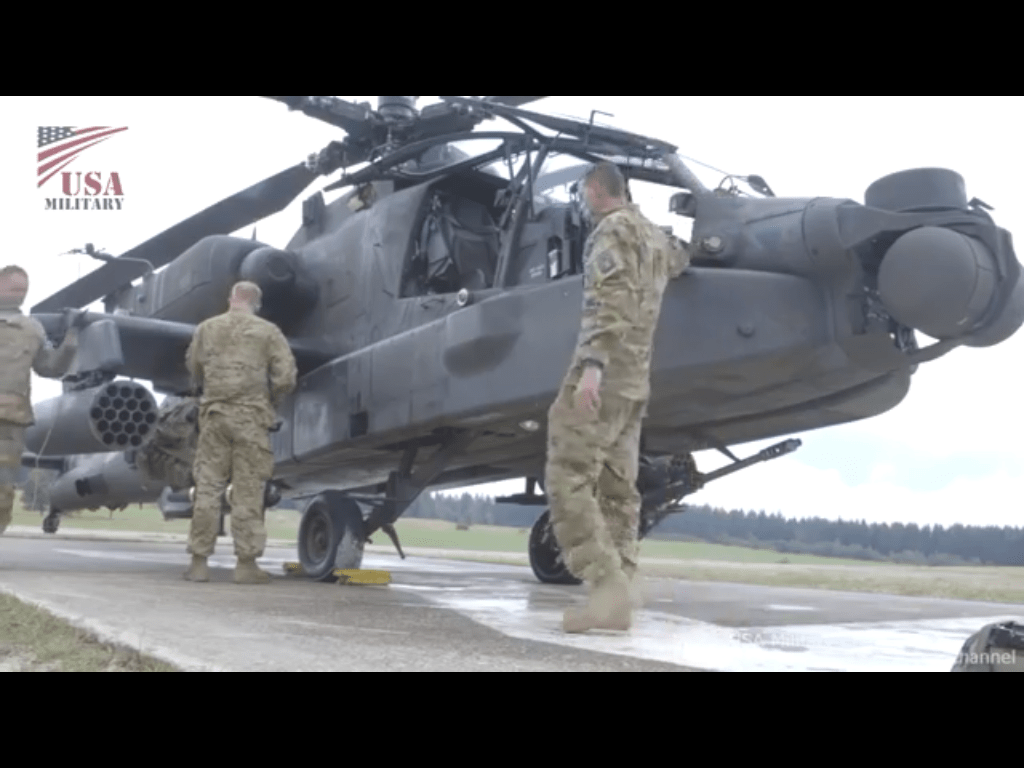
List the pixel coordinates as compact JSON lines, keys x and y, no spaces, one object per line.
{"x":31,"y":640}
{"x":685,"y":560}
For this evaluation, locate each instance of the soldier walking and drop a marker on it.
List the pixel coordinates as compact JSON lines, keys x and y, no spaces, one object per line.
{"x":595,"y":422}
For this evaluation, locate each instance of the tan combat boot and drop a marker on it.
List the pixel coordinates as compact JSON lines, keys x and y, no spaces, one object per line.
{"x":199,"y":572}
{"x":609,"y":608}
{"x":247,"y":572}
{"x":637,"y":588}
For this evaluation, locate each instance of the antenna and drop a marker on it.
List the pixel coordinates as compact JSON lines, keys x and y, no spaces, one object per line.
{"x":100,"y":255}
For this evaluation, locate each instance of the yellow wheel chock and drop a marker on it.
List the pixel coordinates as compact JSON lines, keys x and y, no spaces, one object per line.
{"x":345,"y":578}
{"x":364,"y":578}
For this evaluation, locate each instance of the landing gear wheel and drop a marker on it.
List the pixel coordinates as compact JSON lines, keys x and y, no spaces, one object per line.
{"x":545,"y":555}
{"x":51,"y":523}
{"x":331,"y":537}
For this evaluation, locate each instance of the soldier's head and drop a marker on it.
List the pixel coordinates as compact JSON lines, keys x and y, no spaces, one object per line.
{"x":13,"y":287}
{"x":604,"y":188}
{"x":246,"y":297}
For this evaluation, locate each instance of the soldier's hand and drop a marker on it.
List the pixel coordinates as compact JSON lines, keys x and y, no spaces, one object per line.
{"x":75,"y":319}
{"x":588,"y":397}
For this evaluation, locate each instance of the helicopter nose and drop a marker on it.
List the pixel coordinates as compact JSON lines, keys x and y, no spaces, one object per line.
{"x":943,"y":284}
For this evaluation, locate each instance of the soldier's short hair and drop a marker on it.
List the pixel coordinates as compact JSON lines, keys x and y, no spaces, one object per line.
{"x":249,"y":292}
{"x":13,"y":269}
{"x":608,"y":177}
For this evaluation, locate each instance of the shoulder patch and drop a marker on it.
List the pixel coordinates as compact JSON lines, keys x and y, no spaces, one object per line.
{"x":606,"y":263}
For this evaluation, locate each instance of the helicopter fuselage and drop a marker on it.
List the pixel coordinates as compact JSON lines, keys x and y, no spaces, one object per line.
{"x":742,"y":354}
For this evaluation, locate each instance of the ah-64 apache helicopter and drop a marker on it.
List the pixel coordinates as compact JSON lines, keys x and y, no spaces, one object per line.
{"x":434,"y":307}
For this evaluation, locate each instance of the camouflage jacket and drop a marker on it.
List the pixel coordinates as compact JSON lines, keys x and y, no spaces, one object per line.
{"x":628,"y":263}
{"x":24,"y":349}
{"x":239,"y":359}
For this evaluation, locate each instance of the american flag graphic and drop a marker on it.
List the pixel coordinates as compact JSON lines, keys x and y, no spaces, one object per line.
{"x":60,"y":146}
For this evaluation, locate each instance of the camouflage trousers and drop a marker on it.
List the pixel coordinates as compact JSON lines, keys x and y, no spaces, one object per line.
{"x":590,"y":481}
{"x":12,"y":444}
{"x":233,"y":447}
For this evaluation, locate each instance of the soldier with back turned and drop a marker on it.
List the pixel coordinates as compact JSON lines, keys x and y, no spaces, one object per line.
{"x":245,"y":368}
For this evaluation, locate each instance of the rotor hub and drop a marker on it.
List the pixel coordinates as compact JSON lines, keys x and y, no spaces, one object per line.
{"x":397,"y":108}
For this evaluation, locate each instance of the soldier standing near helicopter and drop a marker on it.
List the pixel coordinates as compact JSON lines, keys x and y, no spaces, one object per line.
{"x":594,"y":425}
{"x":245,"y":367}
{"x":23,"y":349}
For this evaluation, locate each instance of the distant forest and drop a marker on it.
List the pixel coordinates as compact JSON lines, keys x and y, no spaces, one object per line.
{"x":898,"y":543}
{"x":908,"y":544}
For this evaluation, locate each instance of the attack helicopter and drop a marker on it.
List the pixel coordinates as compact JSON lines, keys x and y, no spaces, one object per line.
{"x":434,"y":306}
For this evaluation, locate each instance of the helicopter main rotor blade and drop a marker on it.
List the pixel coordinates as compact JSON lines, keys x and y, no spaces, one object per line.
{"x":292,"y":102}
{"x":357,"y":120}
{"x":574,"y":128}
{"x":229,"y":215}
{"x":513,"y":101}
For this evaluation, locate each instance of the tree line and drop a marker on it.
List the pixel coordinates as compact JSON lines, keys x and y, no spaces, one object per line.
{"x":855,"y":540}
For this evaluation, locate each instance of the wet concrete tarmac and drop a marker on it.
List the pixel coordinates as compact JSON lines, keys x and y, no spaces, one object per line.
{"x":440,"y":615}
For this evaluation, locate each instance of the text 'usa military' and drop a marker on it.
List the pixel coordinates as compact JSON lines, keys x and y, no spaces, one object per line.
{"x":88,"y":192}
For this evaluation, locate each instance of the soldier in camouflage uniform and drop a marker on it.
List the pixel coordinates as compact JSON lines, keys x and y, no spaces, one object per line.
{"x":594,"y":425}
{"x":245,"y":368}
{"x":23,"y":349}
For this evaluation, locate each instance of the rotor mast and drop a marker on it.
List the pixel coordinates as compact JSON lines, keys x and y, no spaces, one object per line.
{"x":397,"y":108}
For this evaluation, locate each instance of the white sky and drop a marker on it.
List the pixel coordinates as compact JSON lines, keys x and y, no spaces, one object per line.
{"x":951,"y":453}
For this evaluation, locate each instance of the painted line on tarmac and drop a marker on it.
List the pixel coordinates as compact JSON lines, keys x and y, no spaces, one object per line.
{"x":224,"y":562}
{"x":792,"y":609}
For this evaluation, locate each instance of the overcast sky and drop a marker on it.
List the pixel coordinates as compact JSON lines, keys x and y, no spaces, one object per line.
{"x":951,"y":453}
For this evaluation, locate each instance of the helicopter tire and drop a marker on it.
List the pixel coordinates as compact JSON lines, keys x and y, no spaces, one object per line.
{"x":51,"y":523}
{"x":546,"y":556}
{"x":330,"y":537}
